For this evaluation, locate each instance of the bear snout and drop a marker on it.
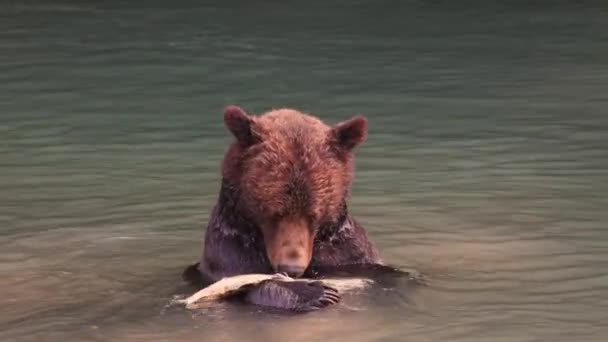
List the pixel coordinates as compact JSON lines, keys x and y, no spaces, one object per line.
{"x":289,"y":246}
{"x":291,"y":258}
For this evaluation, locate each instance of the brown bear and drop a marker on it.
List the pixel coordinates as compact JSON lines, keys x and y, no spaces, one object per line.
{"x":282,"y":207}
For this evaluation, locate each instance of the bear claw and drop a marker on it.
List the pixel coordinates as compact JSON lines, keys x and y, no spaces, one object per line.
{"x":329,"y":296}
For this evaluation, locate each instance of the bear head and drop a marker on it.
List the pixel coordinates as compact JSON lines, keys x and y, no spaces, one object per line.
{"x":292,"y":174}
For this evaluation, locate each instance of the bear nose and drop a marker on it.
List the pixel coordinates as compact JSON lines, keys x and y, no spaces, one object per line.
{"x":291,"y":270}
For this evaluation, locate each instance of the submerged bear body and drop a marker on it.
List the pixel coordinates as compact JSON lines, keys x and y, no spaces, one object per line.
{"x":282,"y":204}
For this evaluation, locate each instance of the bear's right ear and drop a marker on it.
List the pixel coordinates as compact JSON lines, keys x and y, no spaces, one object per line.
{"x":348,"y":134}
{"x":240,"y":125}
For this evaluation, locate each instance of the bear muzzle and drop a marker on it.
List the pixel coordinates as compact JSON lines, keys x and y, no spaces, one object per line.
{"x":291,"y":259}
{"x":289,"y":246}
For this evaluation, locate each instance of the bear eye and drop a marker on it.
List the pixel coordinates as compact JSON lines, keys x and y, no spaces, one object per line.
{"x":278,"y":216}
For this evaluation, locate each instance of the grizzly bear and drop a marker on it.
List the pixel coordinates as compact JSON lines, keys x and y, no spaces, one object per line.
{"x":282,"y":207}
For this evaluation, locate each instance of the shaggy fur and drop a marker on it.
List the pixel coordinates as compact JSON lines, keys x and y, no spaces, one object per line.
{"x":282,"y":202}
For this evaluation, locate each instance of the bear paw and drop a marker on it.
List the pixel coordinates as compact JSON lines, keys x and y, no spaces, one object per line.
{"x":316,"y":296}
{"x":297,"y":296}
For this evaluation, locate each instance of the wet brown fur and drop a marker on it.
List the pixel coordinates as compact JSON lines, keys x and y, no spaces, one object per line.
{"x":285,"y":181}
{"x":293,"y":173}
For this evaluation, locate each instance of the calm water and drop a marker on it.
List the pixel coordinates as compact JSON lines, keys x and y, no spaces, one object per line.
{"x":486,"y":167}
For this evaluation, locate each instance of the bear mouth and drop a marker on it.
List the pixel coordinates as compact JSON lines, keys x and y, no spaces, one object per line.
{"x":294,"y":271}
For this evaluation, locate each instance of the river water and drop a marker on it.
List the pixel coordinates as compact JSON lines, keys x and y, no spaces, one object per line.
{"x":486,"y":167}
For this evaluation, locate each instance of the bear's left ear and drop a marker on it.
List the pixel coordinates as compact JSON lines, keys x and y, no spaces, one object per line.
{"x":240,"y":125}
{"x":348,"y":134}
